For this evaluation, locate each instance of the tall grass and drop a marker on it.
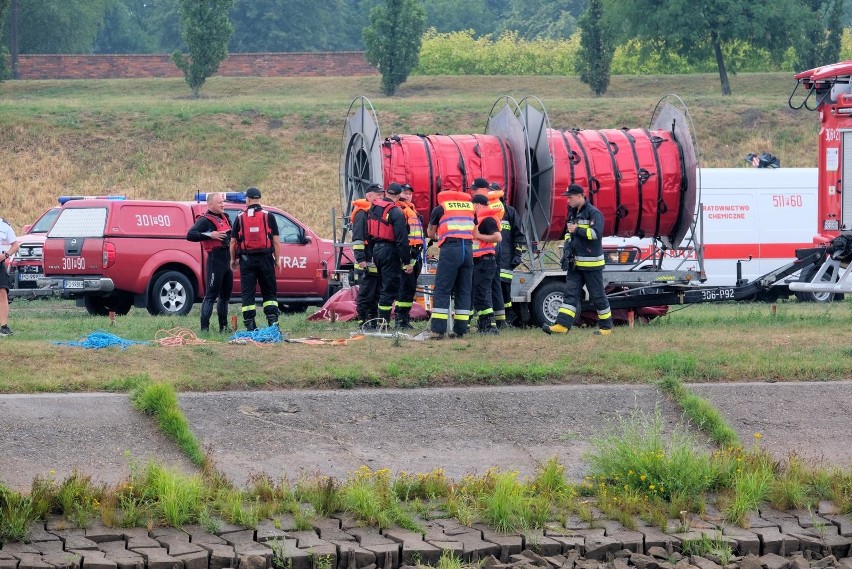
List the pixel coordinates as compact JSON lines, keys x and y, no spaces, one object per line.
{"x":160,"y":400}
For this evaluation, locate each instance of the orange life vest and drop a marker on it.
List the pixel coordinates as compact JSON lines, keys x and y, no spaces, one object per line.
{"x":415,"y":226}
{"x":222,"y":224}
{"x":495,"y":203}
{"x":458,"y":217}
{"x":481,"y":248}
{"x":362,"y":204}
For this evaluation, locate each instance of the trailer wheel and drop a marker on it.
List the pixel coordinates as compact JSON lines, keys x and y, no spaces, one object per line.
{"x":546,"y":302}
{"x":805,"y":296}
{"x":117,"y":302}
{"x":171,"y":295}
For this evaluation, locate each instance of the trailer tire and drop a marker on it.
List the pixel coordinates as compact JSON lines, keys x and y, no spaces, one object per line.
{"x":546,"y":301}
{"x":171,"y":295}
{"x":820,"y":297}
{"x":117,"y":302}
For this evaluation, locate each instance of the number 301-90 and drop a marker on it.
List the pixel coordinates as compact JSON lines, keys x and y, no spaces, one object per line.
{"x":145,"y":220}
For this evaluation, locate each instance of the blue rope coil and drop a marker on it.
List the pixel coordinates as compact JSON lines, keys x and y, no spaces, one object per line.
{"x":101,"y":339}
{"x":268,"y":335}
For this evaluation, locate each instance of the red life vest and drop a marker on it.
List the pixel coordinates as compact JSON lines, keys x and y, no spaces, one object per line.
{"x":379,"y":226}
{"x":481,"y":248}
{"x":222,"y":224}
{"x":254,"y":231}
{"x":415,"y":226}
{"x":457,"y":220}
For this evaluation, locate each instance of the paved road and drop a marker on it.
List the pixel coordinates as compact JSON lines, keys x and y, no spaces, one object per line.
{"x":462,"y":430}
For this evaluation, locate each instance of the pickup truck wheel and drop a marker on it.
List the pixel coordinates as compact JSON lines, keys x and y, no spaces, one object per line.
{"x":118,"y":302}
{"x":171,"y":295}
{"x":546,"y":302}
{"x":805,"y":296}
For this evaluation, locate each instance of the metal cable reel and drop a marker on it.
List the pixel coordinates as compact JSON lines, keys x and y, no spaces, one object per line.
{"x":360,"y":155}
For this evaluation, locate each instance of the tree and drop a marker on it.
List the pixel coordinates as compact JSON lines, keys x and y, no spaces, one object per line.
{"x":123,"y":30}
{"x":393,"y":40}
{"x":206,"y":31}
{"x":279,"y":25}
{"x":4,"y":53}
{"x":823,"y":29}
{"x":541,"y":19}
{"x":596,"y":50}
{"x":452,"y":15}
{"x":702,"y":29}
{"x":59,"y":26}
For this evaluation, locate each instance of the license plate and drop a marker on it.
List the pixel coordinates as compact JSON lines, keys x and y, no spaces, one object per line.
{"x":75,"y":284}
{"x":29,"y":276}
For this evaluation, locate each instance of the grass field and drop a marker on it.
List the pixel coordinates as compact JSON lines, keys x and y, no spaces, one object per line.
{"x":722,"y":342}
{"x":147,"y":139}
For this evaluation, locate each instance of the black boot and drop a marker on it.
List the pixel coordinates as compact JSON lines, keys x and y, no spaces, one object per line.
{"x":403,"y":321}
{"x":384,"y":318}
{"x":486,"y":325}
{"x":206,"y":313}
{"x":222,"y":313}
{"x":250,"y":324}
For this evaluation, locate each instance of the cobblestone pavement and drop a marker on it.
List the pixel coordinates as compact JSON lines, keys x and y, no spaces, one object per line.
{"x":463,"y":430}
{"x":775,"y":540}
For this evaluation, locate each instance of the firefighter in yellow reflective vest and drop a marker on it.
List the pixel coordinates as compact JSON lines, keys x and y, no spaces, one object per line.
{"x":365,"y":269}
{"x":451,"y":223}
{"x":583,"y":261}
{"x":408,"y":281}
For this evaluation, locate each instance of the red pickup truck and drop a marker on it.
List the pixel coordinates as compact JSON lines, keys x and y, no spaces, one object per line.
{"x":112,"y":255}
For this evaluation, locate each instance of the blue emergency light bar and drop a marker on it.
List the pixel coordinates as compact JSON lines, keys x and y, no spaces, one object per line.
{"x":232,"y":197}
{"x":65,"y":199}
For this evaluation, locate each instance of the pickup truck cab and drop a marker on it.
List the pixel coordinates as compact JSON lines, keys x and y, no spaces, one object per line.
{"x":113,"y":255}
{"x":27,"y":262}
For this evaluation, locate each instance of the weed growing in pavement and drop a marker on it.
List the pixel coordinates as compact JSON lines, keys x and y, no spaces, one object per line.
{"x":707,"y":545}
{"x":701,"y":413}
{"x":160,"y":400}
{"x":280,"y":559}
{"x":368,"y":494}
{"x":637,"y":455}
{"x":78,"y":499}
{"x":511,"y":505}
{"x":428,"y":486}
{"x":448,"y":560}
{"x":790,"y":487}
{"x":322,"y":492}
{"x":177,"y":498}
{"x":237,"y":508}
{"x":16,"y":515}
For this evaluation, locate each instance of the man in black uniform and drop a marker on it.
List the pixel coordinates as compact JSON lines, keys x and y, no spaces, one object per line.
{"x":583,"y":261}
{"x":486,"y":237}
{"x":256,"y":249}
{"x":213,"y":230}
{"x":388,"y":230}
{"x":369,"y":284}
{"x":508,"y":257}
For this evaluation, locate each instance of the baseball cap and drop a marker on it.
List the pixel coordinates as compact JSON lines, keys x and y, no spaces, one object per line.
{"x":394,"y":188}
{"x":494,"y":187}
{"x":253,"y":193}
{"x":479,"y":199}
{"x":374,"y":188}
{"x":574,"y":190}
{"x":407,"y":187}
{"x":479,"y":183}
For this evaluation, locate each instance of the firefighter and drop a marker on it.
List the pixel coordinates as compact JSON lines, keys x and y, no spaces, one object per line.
{"x":583,"y":261}
{"x":480,"y":186}
{"x":368,"y":276}
{"x":388,"y":230}
{"x":451,"y":224}
{"x":408,"y":281}
{"x":256,"y":249}
{"x":508,"y":257}
{"x":213,"y":230}
{"x":9,"y":247}
{"x":486,"y":237}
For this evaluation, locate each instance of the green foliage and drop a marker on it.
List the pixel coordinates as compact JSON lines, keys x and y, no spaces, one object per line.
{"x":706,"y":545}
{"x":160,"y":400}
{"x":279,"y":25}
{"x":206,"y":31}
{"x":701,"y":412}
{"x":4,"y":52}
{"x":541,"y":19}
{"x":177,"y":498}
{"x":124,"y":29}
{"x":460,"y":53}
{"x":594,"y":57}
{"x":393,"y":40}
{"x":16,"y":515}
{"x":67,"y":26}
{"x":637,"y":455}
{"x":78,"y":499}
{"x":321,"y":492}
{"x":822,"y":31}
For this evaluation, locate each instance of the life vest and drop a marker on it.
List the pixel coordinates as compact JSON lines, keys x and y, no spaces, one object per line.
{"x":362,"y":204}
{"x":254,"y":231}
{"x":495,"y":203}
{"x":222,"y":224}
{"x":481,"y":248}
{"x":379,"y":226}
{"x":415,"y":226}
{"x":458,"y":217}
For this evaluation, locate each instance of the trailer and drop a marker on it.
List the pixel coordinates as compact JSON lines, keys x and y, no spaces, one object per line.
{"x":647,"y":183}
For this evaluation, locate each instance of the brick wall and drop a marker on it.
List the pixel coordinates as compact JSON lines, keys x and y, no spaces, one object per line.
{"x":306,"y":64}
